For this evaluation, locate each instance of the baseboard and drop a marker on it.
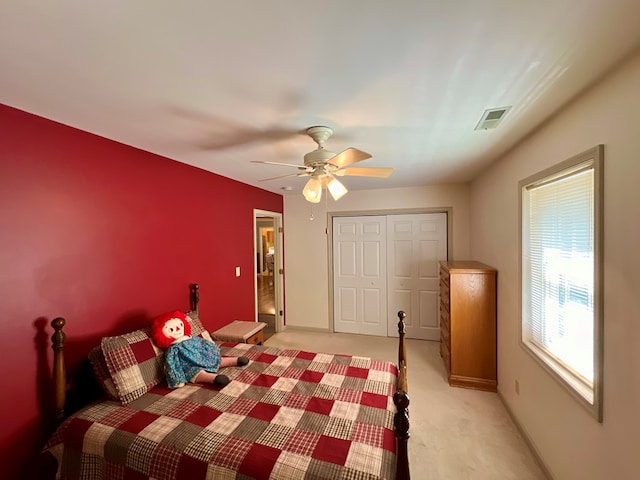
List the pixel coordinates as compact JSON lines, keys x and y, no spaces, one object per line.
{"x":305,"y":329}
{"x":527,"y":440}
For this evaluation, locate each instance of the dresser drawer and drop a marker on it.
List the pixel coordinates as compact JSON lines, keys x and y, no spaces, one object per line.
{"x":444,"y":276}
{"x":256,"y":338}
{"x":445,"y":323}
{"x":444,"y":297}
{"x":444,"y":292}
{"x":444,"y":353}
{"x":445,"y":328}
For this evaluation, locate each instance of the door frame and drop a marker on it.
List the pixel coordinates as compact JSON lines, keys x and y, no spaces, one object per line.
{"x":361,"y":213}
{"x":278,"y":268}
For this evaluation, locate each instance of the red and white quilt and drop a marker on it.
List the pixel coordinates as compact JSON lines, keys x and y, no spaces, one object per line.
{"x":288,"y":415}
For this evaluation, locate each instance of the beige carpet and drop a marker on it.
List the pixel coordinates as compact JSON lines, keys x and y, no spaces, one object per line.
{"x":456,"y":433}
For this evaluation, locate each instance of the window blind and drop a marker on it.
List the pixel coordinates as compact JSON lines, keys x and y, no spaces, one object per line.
{"x":558,"y":262}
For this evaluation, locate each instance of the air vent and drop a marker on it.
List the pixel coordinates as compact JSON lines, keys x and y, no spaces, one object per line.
{"x":491,"y":118}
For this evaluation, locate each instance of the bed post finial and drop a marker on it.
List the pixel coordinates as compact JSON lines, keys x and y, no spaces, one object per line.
{"x":59,"y":373}
{"x":195,"y":297}
{"x":402,"y":355}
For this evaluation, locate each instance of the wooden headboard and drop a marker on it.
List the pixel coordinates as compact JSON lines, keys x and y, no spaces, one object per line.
{"x":60,"y":381}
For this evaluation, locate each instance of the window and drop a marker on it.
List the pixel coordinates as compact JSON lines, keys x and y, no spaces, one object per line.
{"x":561,"y":270}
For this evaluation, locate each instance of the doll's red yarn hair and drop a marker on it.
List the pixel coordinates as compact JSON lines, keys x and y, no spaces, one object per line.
{"x":158,"y":336}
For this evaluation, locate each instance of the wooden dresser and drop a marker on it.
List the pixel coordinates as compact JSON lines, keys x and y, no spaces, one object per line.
{"x":468,"y":324}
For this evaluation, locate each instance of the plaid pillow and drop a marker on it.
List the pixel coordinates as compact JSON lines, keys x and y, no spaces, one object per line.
{"x":101,"y":372}
{"x":196,"y":325}
{"x":134,"y":363}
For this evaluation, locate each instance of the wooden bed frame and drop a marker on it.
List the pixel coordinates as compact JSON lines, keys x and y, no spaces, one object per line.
{"x":400,"y":397}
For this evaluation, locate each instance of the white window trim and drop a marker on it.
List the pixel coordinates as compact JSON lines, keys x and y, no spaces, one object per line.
{"x":581,"y":391}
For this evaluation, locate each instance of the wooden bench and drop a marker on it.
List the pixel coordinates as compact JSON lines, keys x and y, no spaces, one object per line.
{"x":240,"y":331}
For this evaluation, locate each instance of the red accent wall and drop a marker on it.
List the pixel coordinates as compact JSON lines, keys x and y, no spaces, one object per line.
{"x":106,"y":236}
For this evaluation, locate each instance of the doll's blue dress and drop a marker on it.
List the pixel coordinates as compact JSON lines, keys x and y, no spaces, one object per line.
{"x":185,"y":359}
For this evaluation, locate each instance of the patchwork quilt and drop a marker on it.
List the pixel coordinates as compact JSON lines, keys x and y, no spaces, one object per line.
{"x":288,"y":415}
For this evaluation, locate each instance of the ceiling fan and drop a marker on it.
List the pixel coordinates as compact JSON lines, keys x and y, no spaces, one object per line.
{"x":323,"y":166}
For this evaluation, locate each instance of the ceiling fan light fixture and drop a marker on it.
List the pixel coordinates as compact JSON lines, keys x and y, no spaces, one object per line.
{"x":312,"y":191}
{"x":336,"y":188}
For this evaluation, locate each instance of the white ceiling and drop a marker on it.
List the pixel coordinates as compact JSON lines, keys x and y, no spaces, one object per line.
{"x":217,"y":84}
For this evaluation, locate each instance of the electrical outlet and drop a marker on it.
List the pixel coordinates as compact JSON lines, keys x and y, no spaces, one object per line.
{"x":517,"y":387}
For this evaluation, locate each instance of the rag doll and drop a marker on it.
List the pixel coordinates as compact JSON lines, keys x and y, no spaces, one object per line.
{"x":187,"y":358}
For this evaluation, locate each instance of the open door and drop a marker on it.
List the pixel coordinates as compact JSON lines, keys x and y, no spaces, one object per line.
{"x":268,"y":283}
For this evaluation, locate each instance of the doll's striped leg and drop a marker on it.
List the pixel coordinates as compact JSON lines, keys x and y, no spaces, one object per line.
{"x":208,"y":377}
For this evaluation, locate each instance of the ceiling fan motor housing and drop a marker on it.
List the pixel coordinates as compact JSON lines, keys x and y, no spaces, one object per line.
{"x":317,"y":158}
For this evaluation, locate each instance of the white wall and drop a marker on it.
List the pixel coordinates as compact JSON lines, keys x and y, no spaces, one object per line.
{"x":306,"y":246}
{"x":571,"y":443}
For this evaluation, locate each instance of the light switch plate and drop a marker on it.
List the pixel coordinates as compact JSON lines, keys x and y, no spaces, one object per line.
{"x":237,"y":271}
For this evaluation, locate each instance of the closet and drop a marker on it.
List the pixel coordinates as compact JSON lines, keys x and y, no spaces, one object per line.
{"x":385,"y":263}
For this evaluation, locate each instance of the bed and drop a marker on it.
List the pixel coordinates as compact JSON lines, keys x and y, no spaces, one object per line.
{"x":288,"y":415}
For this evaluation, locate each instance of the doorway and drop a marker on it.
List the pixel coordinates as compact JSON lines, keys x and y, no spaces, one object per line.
{"x":269,"y":298}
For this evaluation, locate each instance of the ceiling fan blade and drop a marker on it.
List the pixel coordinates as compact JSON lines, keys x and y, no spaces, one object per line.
{"x":299,"y":167}
{"x":305,"y":174}
{"x":247,"y":136}
{"x":348,"y":156}
{"x":382,"y":172}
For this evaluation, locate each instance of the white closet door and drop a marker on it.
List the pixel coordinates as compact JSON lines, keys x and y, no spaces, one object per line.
{"x":415,"y":245}
{"x":360,"y":275}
